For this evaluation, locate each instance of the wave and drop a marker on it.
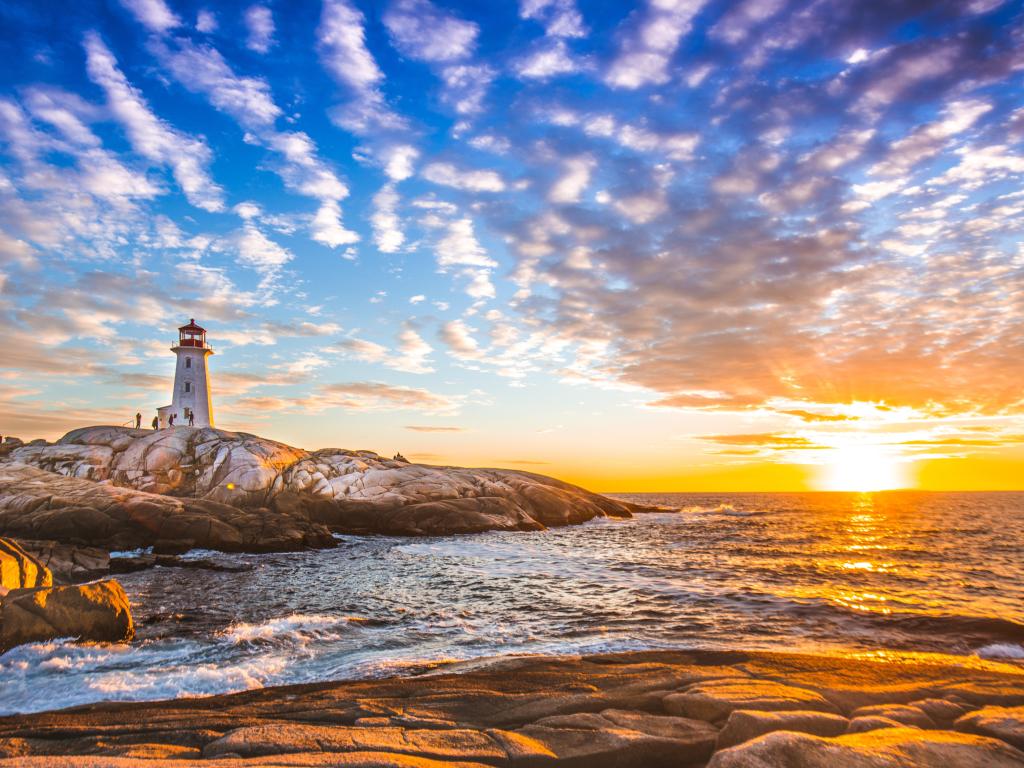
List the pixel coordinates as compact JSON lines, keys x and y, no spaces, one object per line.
{"x":1001,"y":651}
{"x":298,"y":627}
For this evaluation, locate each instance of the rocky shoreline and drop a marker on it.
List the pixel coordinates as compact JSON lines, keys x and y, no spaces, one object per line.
{"x":177,"y":489}
{"x":650,"y":709}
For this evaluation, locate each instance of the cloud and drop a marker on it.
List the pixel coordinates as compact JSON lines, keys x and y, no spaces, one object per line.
{"x":448,"y":175}
{"x":153,"y":14}
{"x":261,"y":253}
{"x":341,"y":41}
{"x":573,"y":182}
{"x":560,"y":18}
{"x":647,"y":49}
{"x":387,"y":233}
{"x":547,"y":61}
{"x":376,"y":396}
{"x":422,"y":31}
{"x":151,"y":137}
{"x":818,"y":417}
{"x":772,"y":440}
{"x":259,"y":21}
{"x":248,"y":100}
{"x":459,"y":338}
{"x":206,"y":21}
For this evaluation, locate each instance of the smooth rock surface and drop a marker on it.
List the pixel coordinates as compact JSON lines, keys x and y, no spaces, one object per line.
{"x":889,"y":748}
{"x":1006,"y":723}
{"x":19,"y":569}
{"x":601,"y":710}
{"x":744,"y":725}
{"x":350,"y":491}
{"x":97,"y":612}
{"x":716,"y":699}
{"x":38,"y":504}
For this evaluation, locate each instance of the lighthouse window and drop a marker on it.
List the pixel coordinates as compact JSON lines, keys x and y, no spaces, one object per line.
{"x":188,"y":386}
{"x":188,"y":362}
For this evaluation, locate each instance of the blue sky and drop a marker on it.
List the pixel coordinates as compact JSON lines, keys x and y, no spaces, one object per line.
{"x":551,"y":233}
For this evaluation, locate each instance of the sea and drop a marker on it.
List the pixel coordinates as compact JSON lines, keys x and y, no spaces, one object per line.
{"x":890,"y":574}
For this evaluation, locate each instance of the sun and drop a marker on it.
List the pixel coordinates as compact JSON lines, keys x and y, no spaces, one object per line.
{"x":863,"y":468}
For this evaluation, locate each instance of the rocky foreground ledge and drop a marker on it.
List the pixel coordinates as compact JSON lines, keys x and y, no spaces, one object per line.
{"x":182,"y":488}
{"x":642,"y":709}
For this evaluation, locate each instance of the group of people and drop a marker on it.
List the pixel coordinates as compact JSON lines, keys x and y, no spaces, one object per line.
{"x":170,"y":420}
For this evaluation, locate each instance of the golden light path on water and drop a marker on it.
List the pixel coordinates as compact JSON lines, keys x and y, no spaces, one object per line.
{"x":886,"y":575}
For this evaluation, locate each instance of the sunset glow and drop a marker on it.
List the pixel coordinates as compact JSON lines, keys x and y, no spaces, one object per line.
{"x":772,"y":250}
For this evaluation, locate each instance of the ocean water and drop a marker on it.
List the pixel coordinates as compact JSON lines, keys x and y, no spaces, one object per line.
{"x":847,"y":573}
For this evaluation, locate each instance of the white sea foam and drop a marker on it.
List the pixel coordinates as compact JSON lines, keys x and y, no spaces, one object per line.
{"x":297,"y":627}
{"x":1001,"y":651}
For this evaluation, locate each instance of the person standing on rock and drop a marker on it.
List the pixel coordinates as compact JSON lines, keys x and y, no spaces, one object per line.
{"x":191,"y":419}
{"x":170,"y":420}
{"x":138,"y":420}
{"x":156,"y":422}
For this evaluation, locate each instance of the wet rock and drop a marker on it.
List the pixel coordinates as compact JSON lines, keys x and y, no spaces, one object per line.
{"x":1006,"y":723}
{"x":350,"y":491}
{"x":888,"y":748}
{"x":96,"y":612}
{"x":19,"y":569}
{"x":744,"y":725}
{"x":716,"y":699}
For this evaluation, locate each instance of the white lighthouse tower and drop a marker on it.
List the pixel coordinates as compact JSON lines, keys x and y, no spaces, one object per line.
{"x":191,"y":394}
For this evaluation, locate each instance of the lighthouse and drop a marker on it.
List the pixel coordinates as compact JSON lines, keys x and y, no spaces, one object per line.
{"x":191,"y":395}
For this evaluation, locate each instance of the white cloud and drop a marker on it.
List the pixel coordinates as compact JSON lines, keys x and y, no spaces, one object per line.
{"x":248,"y":100}
{"x":546,"y":62}
{"x":259,"y":21}
{"x":399,"y":160}
{"x":153,"y":14}
{"x":466,"y":86}
{"x":574,"y":180}
{"x":488,"y":142}
{"x":151,"y":137}
{"x":646,"y":53}
{"x":448,"y":175}
{"x":459,"y":338}
{"x":202,"y":69}
{"x":206,"y":21}
{"x":258,"y":251}
{"x":341,"y":41}
{"x":414,"y":352}
{"x":327,"y":227}
{"x":459,"y":247}
{"x":387,"y":233}
{"x":560,"y":18}
{"x":737,"y":24}
{"x":420,"y":30}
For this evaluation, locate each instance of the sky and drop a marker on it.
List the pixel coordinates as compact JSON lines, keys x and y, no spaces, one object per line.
{"x":655,"y":246}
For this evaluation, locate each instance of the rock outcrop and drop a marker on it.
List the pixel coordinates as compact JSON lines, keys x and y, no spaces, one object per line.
{"x":209,"y":471}
{"x":605,"y":710}
{"x":19,"y":569}
{"x":91,"y":612}
{"x":36,"y":504}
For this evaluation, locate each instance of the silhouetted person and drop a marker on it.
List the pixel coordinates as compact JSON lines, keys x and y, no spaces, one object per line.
{"x":156,"y":422}
{"x":138,"y":420}
{"x":170,"y":419}
{"x":191,"y":419}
